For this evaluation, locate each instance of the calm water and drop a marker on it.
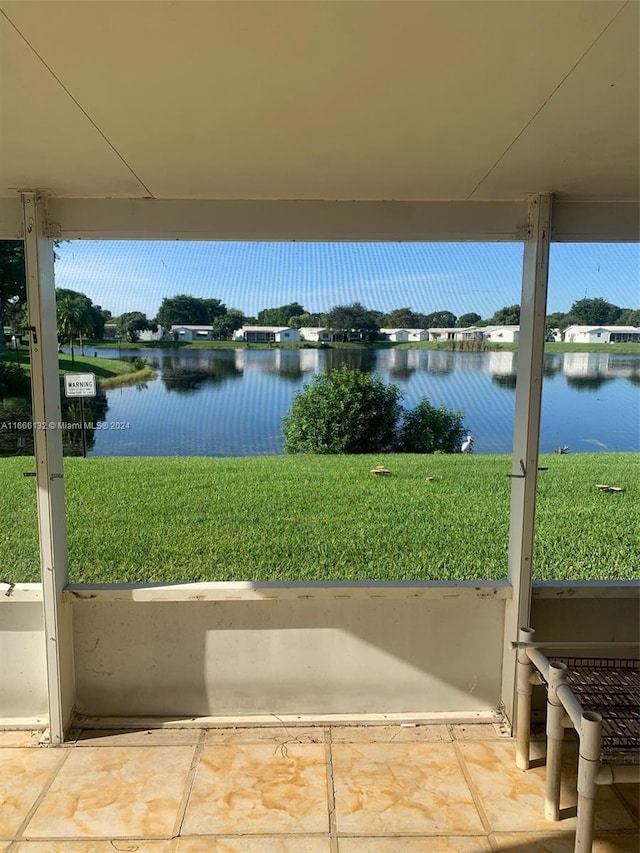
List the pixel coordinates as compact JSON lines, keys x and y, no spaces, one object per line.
{"x":231,"y":402}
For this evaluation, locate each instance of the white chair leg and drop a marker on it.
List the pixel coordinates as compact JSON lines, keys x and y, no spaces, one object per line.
{"x":588,"y":767}
{"x":555,"y":738}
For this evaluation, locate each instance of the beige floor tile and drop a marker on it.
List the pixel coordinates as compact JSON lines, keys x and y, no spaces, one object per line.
{"x":259,"y":788}
{"x":271,"y":734}
{"x":20,"y":738}
{"x":257,"y":844}
{"x":439,"y":844}
{"x":543,"y":842}
{"x":476,"y":731}
{"x":23,"y":774}
{"x":102,"y":792}
{"x":389,"y":734}
{"x":140,"y":737}
{"x":514,"y":799}
{"x":631,"y":795}
{"x":116,"y":845}
{"x":387,"y":788}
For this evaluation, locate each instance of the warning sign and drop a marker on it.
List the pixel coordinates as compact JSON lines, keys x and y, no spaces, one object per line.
{"x":80,"y":384}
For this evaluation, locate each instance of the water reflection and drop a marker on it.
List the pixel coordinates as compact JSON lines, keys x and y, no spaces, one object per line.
{"x":231,"y":402}
{"x":17,"y":435}
{"x":187,"y":375}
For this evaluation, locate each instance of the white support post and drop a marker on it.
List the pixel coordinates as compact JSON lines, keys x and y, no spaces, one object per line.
{"x":533,"y":306}
{"x":45,"y":386}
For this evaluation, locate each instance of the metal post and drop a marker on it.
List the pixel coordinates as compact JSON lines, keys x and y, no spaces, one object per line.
{"x":83,"y":428}
{"x":533,"y":305}
{"x":45,"y":385}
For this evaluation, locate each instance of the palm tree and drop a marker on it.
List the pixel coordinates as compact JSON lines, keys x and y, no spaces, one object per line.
{"x":73,"y":319}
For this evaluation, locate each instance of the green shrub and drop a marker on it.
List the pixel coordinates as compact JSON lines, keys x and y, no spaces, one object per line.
{"x":426,"y":429}
{"x":345,"y":411}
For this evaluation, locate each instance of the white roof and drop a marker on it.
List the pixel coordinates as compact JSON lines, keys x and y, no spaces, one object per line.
{"x":193,"y":328}
{"x":586,"y":329}
{"x":441,"y":101}
{"x":267,"y":329}
{"x":513,"y":327}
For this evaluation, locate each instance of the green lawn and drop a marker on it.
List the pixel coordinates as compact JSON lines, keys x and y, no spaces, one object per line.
{"x":311,"y":518}
{"x":109,"y":372}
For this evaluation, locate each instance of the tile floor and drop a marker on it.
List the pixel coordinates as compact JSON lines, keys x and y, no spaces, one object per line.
{"x":349,"y":789}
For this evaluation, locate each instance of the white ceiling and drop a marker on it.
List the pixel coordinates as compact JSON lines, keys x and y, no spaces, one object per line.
{"x":446,"y":100}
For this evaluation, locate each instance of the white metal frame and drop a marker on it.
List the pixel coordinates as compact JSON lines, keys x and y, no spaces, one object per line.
{"x":45,"y":384}
{"x":529,"y":221}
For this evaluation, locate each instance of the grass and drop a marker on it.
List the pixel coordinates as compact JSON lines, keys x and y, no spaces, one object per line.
{"x":110,"y":373}
{"x":309,"y":518}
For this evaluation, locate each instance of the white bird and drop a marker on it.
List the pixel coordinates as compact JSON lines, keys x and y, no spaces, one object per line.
{"x":467,"y":445}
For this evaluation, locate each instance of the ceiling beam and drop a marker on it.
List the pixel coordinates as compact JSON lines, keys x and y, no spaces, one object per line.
{"x":322,"y":221}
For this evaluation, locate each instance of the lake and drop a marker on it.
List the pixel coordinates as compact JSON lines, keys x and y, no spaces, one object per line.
{"x":231,"y":402}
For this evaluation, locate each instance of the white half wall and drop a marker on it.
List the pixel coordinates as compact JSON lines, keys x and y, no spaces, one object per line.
{"x":393,"y":651}
{"x":23,"y":668}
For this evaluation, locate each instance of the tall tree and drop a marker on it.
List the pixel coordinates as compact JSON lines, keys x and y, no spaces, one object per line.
{"x":183,"y":310}
{"x":282,"y":316}
{"x":216,"y":309}
{"x":595,"y":312}
{"x":73,"y":316}
{"x":440,"y":320}
{"x":403,"y":318}
{"x":467,"y":320}
{"x":630,"y":317}
{"x":353,"y":318}
{"x":507,"y":316}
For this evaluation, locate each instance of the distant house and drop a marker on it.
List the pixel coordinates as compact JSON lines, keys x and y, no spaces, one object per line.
{"x":501,"y":334}
{"x":601,"y":334}
{"x":316,"y":333}
{"x":399,"y":336}
{"x":441,"y":335}
{"x":148,"y":335}
{"x":418,"y":334}
{"x":193,"y":333}
{"x":110,"y":332}
{"x":471,"y":333}
{"x":267,"y":334}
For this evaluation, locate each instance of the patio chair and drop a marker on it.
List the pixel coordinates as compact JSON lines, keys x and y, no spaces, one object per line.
{"x":600,"y":699}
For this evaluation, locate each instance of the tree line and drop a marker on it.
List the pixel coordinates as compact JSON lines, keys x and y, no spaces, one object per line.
{"x":79,"y":317}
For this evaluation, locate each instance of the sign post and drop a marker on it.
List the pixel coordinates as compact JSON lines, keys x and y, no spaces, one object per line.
{"x":80,"y":385}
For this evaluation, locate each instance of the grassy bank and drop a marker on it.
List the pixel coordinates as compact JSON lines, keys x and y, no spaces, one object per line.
{"x":110,"y":373}
{"x":324,"y":518}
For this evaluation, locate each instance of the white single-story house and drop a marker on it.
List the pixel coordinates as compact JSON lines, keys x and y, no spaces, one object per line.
{"x":418,"y":334}
{"x":148,"y":335}
{"x":110,"y":332}
{"x":470,"y":333}
{"x":193,"y":333}
{"x":267,"y":334}
{"x":501,"y":334}
{"x":601,"y":334}
{"x":399,"y":336}
{"x":443,"y":334}
{"x":315,"y":333}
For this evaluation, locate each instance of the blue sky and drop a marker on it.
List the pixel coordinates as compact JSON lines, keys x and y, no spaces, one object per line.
{"x":459,"y":277}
